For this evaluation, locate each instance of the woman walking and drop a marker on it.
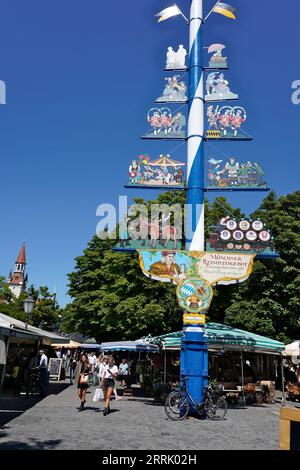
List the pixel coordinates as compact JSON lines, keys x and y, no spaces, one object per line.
{"x":110,"y":373}
{"x":82,"y":378}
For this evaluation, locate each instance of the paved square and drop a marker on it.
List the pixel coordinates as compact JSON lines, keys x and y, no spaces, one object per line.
{"x":135,"y":423}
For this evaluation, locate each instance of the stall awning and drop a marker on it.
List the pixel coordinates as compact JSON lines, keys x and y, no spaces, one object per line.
{"x":70,"y":345}
{"x":18,"y":327}
{"x":225,"y":337}
{"x":129,"y":346}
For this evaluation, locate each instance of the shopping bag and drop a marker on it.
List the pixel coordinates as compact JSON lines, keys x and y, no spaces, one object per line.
{"x":98,"y":395}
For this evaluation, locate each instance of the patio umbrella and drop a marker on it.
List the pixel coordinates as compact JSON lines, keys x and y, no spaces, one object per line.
{"x":216,"y":48}
{"x":292,"y":349}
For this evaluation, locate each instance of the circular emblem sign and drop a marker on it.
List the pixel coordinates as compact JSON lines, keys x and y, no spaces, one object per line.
{"x":231,"y":225}
{"x":225,"y":235}
{"x":257,"y":225}
{"x":264,"y":236}
{"x":194,"y":295}
{"x":238,"y":235}
{"x":251,"y":235}
{"x":244,"y":225}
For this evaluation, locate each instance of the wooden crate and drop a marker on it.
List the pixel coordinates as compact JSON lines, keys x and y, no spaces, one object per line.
{"x":127,"y":392}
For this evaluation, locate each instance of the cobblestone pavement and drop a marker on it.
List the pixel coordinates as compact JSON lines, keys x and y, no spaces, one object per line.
{"x":135,"y":423}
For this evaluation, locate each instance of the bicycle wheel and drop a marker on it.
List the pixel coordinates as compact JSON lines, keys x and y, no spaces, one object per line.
{"x":216,"y":410}
{"x":176,"y":406}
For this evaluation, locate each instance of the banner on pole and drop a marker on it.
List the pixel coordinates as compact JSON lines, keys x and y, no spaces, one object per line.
{"x":214,"y":267}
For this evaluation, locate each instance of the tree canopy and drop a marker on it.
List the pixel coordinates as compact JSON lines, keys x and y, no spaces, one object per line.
{"x":46,"y":311}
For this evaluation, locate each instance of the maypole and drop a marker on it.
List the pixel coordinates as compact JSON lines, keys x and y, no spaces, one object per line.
{"x":227,"y":256}
{"x":194,"y":354}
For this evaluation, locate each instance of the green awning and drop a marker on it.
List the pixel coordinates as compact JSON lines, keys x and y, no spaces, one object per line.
{"x":225,"y":337}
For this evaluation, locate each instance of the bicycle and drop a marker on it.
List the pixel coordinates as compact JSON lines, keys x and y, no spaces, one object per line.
{"x":178,"y":403}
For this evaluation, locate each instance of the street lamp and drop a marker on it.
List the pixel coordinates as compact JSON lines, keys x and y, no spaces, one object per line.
{"x":29,"y":304}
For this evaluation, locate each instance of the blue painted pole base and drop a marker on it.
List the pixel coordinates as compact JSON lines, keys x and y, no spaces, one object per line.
{"x":194,"y":363}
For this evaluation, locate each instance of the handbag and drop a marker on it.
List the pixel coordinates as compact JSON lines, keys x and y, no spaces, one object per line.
{"x":98,"y":395}
{"x":84,"y":380}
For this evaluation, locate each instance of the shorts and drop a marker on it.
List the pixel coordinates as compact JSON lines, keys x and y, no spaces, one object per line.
{"x":82,"y":386}
{"x":108,"y":383}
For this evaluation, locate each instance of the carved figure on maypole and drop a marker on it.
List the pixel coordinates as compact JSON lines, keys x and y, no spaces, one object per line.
{"x":175,"y":91}
{"x":176,"y":60}
{"x":217,"y":88}
{"x":217,"y":60}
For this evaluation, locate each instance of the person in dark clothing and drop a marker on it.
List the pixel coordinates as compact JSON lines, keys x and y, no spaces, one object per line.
{"x":82,"y":378}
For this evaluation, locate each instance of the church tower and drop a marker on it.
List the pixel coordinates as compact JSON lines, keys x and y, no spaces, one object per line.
{"x":17,"y":281}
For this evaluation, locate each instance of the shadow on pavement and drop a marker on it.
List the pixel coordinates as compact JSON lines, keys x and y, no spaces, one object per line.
{"x":33,"y":445}
{"x":12,"y":406}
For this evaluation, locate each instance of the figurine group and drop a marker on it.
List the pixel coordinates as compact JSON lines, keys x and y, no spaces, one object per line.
{"x":145,"y":172}
{"x":174,"y":90}
{"x":217,"y":61}
{"x":149,"y":233}
{"x":234,"y":174}
{"x":176,"y":60}
{"x":217,"y":88}
{"x":226,"y":119}
{"x":164,"y":124}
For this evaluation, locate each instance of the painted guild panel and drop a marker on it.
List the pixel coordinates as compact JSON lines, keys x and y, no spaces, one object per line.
{"x":165,"y":125}
{"x":161,"y":172}
{"x":144,"y":233}
{"x":226,"y":122}
{"x":174,"y":91}
{"x":250,"y":236}
{"x":235,"y":175}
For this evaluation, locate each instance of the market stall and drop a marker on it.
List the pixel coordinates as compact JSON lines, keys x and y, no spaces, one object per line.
{"x":236,"y":358}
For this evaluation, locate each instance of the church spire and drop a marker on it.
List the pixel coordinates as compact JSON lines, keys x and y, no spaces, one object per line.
{"x":22,"y":256}
{"x":17,"y":280}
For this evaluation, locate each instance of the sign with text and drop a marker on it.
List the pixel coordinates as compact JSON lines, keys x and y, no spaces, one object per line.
{"x":54,"y":368}
{"x":191,"y":319}
{"x":213,"y":267}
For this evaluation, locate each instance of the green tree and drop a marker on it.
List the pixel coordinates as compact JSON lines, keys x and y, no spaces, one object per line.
{"x":45,"y":313}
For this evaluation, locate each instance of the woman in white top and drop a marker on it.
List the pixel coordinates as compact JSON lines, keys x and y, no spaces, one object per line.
{"x":102,"y":361}
{"x":109,"y":375}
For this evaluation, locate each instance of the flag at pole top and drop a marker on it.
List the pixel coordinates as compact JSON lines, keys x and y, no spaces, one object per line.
{"x":226,"y":10}
{"x":168,"y":13}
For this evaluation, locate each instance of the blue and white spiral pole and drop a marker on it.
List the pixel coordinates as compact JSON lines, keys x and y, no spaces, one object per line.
{"x":194,"y":354}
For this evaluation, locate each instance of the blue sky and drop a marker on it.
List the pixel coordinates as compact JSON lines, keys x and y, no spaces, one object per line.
{"x":80,"y":78}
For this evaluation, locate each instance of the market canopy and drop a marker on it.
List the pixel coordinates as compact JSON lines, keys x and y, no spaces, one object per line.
{"x":292,"y":349}
{"x":71,"y":345}
{"x":129,"y":346}
{"x":225,"y":337}
{"x":20,"y":329}
{"x":90,"y":346}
